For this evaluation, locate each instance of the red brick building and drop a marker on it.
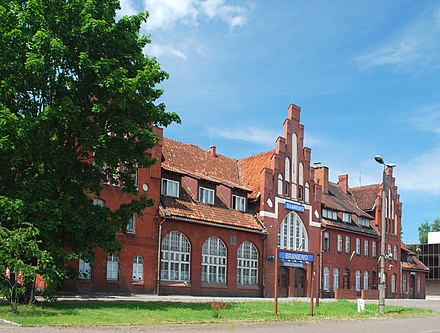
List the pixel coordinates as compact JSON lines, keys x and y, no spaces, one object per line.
{"x":217,"y":223}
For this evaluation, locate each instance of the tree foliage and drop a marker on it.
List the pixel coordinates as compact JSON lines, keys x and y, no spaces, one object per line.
{"x":427,"y":227}
{"x":77,"y":96}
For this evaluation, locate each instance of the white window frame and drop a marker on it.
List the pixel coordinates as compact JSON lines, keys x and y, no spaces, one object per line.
{"x":169,"y":188}
{"x":366,"y":248}
{"x":366,"y":282}
{"x":393,"y":283}
{"x":98,"y":202}
{"x":340,"y":243}
{"x":307,"y":192}
{"x":404,"y":283}
{"x":347,"y":245}
{"x":131,"y":225}
{"x":373,"y":248}
{"x":329,"y":214}
{"x":175,"y":261}
{"x":335,"y":278}
{"x":85,"y":270}
{"x":214,"y":261}
{"x":358,"y":246}
{"x":280,"y":184}
{"x":292,"y":234}
{"x":419,"y":284}
{"x":326,"y":279}
{"x":138,"y":269}
{"x":112,"y":267}
{"x":206,"y":195}
{"x":326,"y":242}
{"x":389,"y":249}
{"x":238,"y":203}
{"x":247,"y":264}
{"x":358,"y":280}
{"x":346,"y":217}
{"x":395,"y":252}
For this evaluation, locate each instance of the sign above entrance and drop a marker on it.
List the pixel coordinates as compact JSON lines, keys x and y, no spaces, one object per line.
{"x":295,"y":256}
{"x":294,"y":206}
{"x":292,"y":264}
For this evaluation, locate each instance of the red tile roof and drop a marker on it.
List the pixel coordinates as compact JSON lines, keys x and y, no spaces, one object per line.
{"x":192,"y":160}
{"x":366,"y":195}
{"x":250,"y":170}
{"x":416,"y":264}
{"x":187,"y":208}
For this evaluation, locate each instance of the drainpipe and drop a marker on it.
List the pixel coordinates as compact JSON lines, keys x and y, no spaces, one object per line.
{"x":321,"y":257}
{"x":159,"y":250}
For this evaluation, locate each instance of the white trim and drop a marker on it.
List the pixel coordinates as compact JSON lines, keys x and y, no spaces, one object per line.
{"x":279,"y":200}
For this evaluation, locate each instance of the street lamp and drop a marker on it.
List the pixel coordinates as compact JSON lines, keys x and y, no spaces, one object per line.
{"x":380,"y":160}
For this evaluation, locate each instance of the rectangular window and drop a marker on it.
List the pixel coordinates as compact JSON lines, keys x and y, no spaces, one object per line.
{"x":85,"y":270}
{"x":112,"y":267}
{"x":346,"y":217}
{"x":138,"y":268}
{"x":339,"y":243}
{"x":286,"y":189}
{"x":363,"y":222}
{"x":170,"y":188}
{"x":373,"y":248}
{"x":329,"y":214}
{"x":206,"y":195}
{"x":358,"y":246}
{"x":238,"y":203}
{"x":131,"y":226}
{"x":326,"y":241}
{"x":366,"y":248}
{"x":347,"y":244}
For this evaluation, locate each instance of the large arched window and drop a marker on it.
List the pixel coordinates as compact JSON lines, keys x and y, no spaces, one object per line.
{"x":214,"y":261}
{"x":366,"y":280}
{"x":292,"y":234}
{"x":358,"y":280}
{"x":247,"y":264}
{"x":326,"y":278}
{"x":175,"y":259}
{"x":335,"y":278}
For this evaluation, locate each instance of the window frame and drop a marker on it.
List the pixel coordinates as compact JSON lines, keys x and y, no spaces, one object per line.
{"x":238,"y":198}
{"x":247,"y":264}
{"x":175,"y":257}
{"x":168,"y":186}
{"x":84,"y":269}
{"x":340,"y":244}
{"x":112,"y":273}
{"x":214,"y":265}
{"x":358,"y":246}
{"x":138,"y":269}
{"x":206,"y":194}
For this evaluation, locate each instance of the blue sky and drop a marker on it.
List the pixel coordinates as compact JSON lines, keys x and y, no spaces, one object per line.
{"x":366,"y":75}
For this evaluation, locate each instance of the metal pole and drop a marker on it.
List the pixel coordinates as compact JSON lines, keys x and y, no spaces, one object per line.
{"x":312,"y":282}
{"x":382,"y":245}
{"x":275,"y":296}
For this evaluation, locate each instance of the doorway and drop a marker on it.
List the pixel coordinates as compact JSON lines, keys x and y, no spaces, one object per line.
{"x":299,"y":285}
{"x":412,"y":286}
{"x":346,"y":279}
{"x":283,"y":282}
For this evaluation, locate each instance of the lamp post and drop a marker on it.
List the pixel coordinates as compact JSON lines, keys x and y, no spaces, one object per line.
{"x":380,"y":160}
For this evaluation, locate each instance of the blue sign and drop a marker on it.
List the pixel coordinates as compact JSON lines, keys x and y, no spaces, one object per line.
{"x":292,"y":264}
{"x":294,"y":206}
{"x":295,"y":256}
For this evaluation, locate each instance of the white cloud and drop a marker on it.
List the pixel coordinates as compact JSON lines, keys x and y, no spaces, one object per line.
{"x":127,"y":8}
{"x":427,"y":119}
{"x":157,"y":50}
{"x":167,"y":13}
{"x":248,"y":134}
{"x":421,"y":173}
{"x":417,"y":44}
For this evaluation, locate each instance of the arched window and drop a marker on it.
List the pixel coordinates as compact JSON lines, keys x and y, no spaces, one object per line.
{"x":325,"y":284}
{"x":373,"y":248}
{"x":280,"y":184}
{"x":335,"y":278}
{"x":176,"y":257}
{"x":366,"y":280}
{"x":393,"y":283}
{"x":358,"y":280}
{"x":395,"y":252}
{"x":247,"y":264}
{"x":307,"y":193}
{"x":99,"y":202}
{"x":214,"y":261}
{"x":287,"y":169}
{"x":292,"y":234}
{"x":294,"y":163}
{"x":300,"y":181}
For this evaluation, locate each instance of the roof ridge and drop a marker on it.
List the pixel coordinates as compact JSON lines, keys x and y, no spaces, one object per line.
{"x":364,"y":186}
{"x":256,"y":155}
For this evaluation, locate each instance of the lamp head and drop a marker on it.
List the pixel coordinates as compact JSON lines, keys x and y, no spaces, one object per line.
{"x":379,"y":159}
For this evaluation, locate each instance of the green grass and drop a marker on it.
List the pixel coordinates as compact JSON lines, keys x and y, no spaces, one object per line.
{"x":145,"y":313}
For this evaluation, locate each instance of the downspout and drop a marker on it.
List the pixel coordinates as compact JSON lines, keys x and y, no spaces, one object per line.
{"x":159,"y":245}
{"x":321,"y":252}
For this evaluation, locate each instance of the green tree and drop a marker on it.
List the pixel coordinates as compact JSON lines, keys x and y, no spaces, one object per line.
{"x":426,"y":227}
{"x":77,"y":97}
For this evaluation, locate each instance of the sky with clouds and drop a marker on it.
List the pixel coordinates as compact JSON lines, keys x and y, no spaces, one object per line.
{"x":366,"y":75}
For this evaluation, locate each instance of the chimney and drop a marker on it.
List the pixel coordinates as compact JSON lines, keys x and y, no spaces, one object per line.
{"x":321,"y":177}
{"x":343,"y":183}
{"x":212,"y":151}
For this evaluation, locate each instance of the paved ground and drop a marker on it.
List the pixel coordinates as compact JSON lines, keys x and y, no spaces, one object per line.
{"x":404,"y":325}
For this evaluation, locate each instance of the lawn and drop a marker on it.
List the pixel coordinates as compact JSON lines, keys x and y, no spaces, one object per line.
{"x":145,"y":313}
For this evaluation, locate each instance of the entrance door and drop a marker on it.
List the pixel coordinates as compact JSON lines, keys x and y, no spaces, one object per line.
{"x":346,"y":279}
{"x":283,"y":281}
{"x":412,"y":286}
{"x":300,"y":286}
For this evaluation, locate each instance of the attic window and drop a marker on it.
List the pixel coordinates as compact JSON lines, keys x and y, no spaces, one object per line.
{"x":206,"y":195}
{"x":329,"y":214}
{"x":363,"y":222}
{"x":238,"y":203}
{"x":346,"y":217}
{"x":170,"y":188}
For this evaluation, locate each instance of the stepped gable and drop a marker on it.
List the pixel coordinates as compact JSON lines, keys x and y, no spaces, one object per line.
{"x":416,"y":264}
{"x":192,"y":160}
{"x":338,"y":200}
{"x":250,"y":169}
{"x":366,"y":195}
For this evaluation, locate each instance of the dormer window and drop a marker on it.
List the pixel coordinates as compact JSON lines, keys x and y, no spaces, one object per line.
{"x":329,"y":214}
{"x":206,"y":195}
{"x":170,"y":188}
{"x":363,"y":222}
{"x":346,"y":217}
{"x":238,"y":203}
